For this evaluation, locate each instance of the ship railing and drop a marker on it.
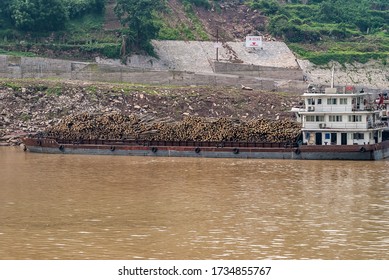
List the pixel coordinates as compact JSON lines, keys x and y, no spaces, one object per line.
{"x":379,"y":125}
{"x":363,"y":108}
{"x":217,"y":144}
{"x":337,"y":125}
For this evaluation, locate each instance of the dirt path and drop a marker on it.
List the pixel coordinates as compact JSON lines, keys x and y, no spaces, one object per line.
{"x":232,"y":21}
{"x":111,"y":21}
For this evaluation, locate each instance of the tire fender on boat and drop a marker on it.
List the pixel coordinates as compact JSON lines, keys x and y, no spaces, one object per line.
{"x":112,"y":148}
{"x":154,"y":149}
{"x":61,"y":148}
{"x":197,"y":150}
{"x":362,"y":149}
{"x":235,"y":151}
{"x":297,"y":151}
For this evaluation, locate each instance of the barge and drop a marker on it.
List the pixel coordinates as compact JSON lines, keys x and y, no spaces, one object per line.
{"x":211,"y":150}
{"x":342,"y":123}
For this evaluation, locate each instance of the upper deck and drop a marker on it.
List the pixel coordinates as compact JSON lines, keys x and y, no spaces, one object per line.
{"x":345,"y":100}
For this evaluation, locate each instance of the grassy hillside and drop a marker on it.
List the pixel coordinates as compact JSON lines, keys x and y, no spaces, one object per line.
{"x":326,"y":30}
{"x":318,"y":30}
{"x":80,"y":36}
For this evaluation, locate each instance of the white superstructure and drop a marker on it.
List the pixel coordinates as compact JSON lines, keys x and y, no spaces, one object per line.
{"x":341,"y":116}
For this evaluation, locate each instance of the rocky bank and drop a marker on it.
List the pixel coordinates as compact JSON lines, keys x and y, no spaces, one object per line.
{"x":31,"y":106}
{"x":371,"y":75}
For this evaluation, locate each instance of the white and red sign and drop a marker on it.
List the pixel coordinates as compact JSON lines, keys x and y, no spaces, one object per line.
{"x":254,"y":41}
{"x":218,"y":45}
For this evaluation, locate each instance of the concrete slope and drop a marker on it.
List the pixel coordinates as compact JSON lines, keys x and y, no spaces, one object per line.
{"x":197,"y":56}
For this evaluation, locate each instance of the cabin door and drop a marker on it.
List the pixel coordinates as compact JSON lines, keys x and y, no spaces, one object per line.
{"x":319,"y":140}
{"x":376,"y":137}
{"x":334,"y":138}
{"x":344,"y":138}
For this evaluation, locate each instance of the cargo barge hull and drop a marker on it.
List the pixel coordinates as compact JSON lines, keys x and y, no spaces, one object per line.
{"x":210,"y":150}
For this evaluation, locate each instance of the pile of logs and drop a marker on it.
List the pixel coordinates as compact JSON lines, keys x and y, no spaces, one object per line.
{"x":118,"y":127}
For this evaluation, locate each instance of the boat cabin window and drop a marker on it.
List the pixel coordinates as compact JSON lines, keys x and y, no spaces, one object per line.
{"x":319,"y":101}
{"x":311,"y":101}
{"x":310,"y":118}
{"x":355,"y":118}
{"x":343,"y":101}
{"x":359,"y":136}
{"x":314,"y":119}
{"x":331,"y":101}
{"x":327,"y":136}
{"x":335,"y":118}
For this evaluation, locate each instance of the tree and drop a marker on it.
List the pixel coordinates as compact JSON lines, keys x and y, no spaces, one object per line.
{"x":4,"y":6}
{"x":77,"y":8}
{"x":38,"y":15}
{"x":380,"y":5}
{"x":139,"y":17}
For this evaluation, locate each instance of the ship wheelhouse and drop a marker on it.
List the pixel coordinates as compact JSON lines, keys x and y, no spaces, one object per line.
{"x":340,"y":116}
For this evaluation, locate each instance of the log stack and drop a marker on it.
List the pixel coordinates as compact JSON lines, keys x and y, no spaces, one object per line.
{"x":117,"y":126}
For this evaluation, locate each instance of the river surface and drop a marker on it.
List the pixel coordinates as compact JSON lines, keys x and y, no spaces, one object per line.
{"x":116,"y":207}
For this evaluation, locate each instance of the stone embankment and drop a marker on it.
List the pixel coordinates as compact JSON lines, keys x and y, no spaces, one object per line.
{"x":373,"y":75}
{"x":30,"y":106}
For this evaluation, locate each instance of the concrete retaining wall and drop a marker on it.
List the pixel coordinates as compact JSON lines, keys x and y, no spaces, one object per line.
{"x":28,"y":67}
{"x":267,"y":72}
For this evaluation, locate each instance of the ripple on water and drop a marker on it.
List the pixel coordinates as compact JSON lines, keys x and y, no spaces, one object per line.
{"x":84,"y":207}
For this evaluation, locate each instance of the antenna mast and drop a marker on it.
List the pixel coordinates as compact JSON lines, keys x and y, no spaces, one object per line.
{"x":332,"y":76}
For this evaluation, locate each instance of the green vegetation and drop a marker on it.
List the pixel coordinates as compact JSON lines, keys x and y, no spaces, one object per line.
{"x":77,"y":8}
{"x":56,"y":90}
{"x":193,"y":31}
{"x":325,"y":30}
{"x":168,"y":33}
{"x":318,"y":30}
{"x":92,"y":89}
{"x":74,"y":28}
{"x":38,"y":15}
{"x":65,"y":28}
{"x":13,"y":85}
{"x":139,"y":18}
{"x":197,"y":25}
{"x":16,"y":53}
{"x":199,"y":3}
{"x":46,"y":15}
{"x":25,"y":117}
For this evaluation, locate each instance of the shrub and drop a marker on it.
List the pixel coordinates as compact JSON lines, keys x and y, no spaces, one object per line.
{"x":198,"y":3}
{"x":107,"y":50}
{"x":270,"y":7}
{"x":77,"y":8}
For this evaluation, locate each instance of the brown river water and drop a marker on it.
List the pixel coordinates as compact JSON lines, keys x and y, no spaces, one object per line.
{"x":116,"y":207}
